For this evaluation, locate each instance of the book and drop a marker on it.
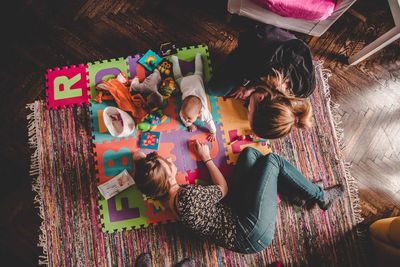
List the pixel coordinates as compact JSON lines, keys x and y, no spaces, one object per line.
{"x":116,"y":184}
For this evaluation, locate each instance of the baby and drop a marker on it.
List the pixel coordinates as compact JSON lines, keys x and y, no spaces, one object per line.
{"x":194,"y":100}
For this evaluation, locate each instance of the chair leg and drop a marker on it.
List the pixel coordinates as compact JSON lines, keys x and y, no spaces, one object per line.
{"x":229,"y":18}
{"x":376,"y":45}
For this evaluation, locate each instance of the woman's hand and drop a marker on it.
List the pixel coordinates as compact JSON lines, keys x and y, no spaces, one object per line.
{"x":202,"y":150}
{"x":242,"y":92}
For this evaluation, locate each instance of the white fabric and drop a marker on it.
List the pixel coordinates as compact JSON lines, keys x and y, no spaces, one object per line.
{"x":193,"y":85}
{"x":118,"y":122}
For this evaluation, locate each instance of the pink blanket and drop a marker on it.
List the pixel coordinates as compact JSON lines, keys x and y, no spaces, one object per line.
{"x":301,"y":9}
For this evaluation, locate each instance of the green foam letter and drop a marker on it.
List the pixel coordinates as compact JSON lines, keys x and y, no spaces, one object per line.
{"x":67,"y":92}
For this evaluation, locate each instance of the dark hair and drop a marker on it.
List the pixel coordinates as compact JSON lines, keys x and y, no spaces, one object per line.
{"x":150,"y":176}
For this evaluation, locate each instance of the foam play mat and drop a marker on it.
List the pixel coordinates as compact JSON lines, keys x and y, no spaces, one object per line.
{"x":131,"y":209}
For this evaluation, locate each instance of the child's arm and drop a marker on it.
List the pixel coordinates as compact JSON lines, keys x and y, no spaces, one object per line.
{"x":208,"y":120}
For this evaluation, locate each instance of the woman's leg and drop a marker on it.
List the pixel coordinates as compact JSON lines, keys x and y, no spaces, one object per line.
{"x":259,"y":196}
{"x":245,"y":163}
{"x":294,"y":181}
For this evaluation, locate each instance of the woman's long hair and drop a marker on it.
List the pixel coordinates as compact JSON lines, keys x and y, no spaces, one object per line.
{"x":150,"y":176}
{"x":279,"y":111}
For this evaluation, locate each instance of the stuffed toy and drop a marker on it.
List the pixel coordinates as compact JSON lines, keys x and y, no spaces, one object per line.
{"x":156,"y":87}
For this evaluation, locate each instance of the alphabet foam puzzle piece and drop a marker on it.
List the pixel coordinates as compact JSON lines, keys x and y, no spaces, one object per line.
{"x":67,"y":86}
{"x":186,"y":56}
{"x":135,"y":69}
{"x":234,"y":122}
{"x":123,"y":211}
{"x":103,"y":70}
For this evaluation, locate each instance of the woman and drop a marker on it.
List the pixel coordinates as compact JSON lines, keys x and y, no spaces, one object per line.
{"x":245,"y":221}
{"x":276,"y":66}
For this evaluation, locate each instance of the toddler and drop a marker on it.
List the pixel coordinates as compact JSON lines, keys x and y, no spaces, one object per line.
{"x":194,"y":100}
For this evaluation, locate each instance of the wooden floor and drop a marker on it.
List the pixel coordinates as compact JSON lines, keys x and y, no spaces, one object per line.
{"x":58,"y":33}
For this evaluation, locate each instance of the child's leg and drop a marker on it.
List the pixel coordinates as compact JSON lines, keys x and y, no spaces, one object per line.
{"x":176,"y":69}
{"x":198,"y":62}
{"x":136,"y":85}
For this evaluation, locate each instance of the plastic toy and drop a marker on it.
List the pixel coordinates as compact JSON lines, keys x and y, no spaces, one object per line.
{"x":151,"y":121}
{"x":167,"y":49}
{"x":168,"y":85}
{"x":150,"y":60}
{"x":249,"y":137}
{"x":165,"y":68}
{"x":150,"y":140}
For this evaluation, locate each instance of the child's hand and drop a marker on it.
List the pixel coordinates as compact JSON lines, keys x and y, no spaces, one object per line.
{"x":211,"y":137}
{"x":192,"y":128}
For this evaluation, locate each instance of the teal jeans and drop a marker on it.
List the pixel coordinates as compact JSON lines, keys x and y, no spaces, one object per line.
{"x":253,"y":194}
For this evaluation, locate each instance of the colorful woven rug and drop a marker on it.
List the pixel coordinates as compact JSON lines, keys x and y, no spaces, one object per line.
{"x":71,"y":233}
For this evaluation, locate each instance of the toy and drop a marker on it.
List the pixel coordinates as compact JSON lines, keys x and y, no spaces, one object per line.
{"x":150,"y":140}
{"x":151,"y":121}
{"x":114,"y":89}
{"x":165,"y":68}
{"x":168,"y":85}
{"x":249,"y":137}
{"x":149,"y":89}
{"x":167,"y":49}
{"x":150,"y":60}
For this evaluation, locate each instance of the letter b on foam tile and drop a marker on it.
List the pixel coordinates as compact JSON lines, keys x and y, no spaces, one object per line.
{"x":66,"y":87}
{"x":115,"y":162}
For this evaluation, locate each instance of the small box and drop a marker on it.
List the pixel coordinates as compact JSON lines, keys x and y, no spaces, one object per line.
{"x":116,"y":184}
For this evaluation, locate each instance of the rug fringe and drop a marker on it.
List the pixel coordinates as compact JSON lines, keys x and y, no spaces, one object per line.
{"x":34,"y":172}
{"x":339,"y":135}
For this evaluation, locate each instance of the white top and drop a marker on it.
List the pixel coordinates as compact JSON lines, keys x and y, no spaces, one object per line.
{"x":193,"y":85}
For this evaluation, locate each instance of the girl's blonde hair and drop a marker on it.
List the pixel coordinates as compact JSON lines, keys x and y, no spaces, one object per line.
{"x":279,"y":111}
{"x":151,"y":177}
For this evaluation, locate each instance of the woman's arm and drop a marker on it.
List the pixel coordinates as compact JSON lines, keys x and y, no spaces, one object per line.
{"x":203,"y":151}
